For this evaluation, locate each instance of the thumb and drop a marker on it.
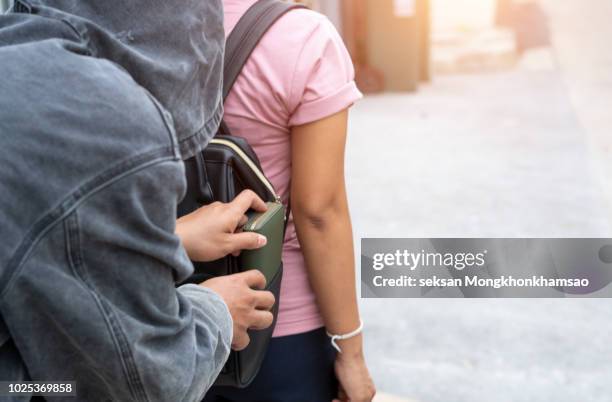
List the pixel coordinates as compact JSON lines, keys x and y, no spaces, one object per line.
{"x":246,"y":241}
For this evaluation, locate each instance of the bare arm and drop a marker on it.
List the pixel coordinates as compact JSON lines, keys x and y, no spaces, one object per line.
{"x":323,"y":224}
{"x":320,"y":212}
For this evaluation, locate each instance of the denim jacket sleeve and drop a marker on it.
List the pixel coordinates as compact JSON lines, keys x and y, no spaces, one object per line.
{"x":95,"y":302}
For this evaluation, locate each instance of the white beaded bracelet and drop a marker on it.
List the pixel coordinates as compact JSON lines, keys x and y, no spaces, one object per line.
{"x":335,"y":338}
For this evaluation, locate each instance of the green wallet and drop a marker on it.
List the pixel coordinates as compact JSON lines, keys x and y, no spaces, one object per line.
{"x":270,"y":224}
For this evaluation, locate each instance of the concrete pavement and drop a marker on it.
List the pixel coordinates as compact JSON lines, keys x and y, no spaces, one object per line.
{"x":581,"y":33}
{"x":519,"y":154}
{"x":476,"y":155}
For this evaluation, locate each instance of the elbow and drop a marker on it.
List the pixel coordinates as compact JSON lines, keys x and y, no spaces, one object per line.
{"x":318,"y":213}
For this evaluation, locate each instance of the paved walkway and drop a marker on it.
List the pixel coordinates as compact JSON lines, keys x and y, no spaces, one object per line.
{"x":478,"y":155}
{"x":581,"y":33}
{"x":505,"y":154}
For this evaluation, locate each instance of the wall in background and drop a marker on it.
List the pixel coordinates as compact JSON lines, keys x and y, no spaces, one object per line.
{"x":462,"y":14}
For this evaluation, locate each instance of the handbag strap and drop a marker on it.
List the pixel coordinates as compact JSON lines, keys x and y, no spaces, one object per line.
{"x":247,"y":33}
{"x":241,"y":42}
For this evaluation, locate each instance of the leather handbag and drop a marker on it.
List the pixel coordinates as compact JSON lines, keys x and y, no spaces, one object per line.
{"x":227,"y":166}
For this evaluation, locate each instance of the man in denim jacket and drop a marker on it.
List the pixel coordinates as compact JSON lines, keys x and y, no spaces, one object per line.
{"x":100,"y":101}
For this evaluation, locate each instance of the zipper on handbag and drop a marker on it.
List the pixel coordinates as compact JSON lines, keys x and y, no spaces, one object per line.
{"x":249,"y":163}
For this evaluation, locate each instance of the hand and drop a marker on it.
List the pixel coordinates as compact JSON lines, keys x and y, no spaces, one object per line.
{"x":249,"y":308}
{"x":208,"y":233}
{"x":355,"y":383}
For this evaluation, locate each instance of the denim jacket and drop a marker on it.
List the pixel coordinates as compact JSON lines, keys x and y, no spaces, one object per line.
{"x":99,"y":103}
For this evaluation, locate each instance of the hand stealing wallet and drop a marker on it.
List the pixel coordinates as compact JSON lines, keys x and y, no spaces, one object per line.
{"x":270,"y":224}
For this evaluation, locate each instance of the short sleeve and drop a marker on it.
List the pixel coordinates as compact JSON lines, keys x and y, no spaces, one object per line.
{"x":323,"y":81}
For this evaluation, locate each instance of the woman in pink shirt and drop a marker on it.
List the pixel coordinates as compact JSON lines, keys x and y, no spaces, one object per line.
{"x":291,"y":103}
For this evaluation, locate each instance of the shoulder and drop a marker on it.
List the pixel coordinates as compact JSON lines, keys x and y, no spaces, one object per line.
{"x":72,"y":126}
{"x":303,"y":41}
{"x":299,"y":27}
{"x":307,"y":18}
{"x":301,"y":58}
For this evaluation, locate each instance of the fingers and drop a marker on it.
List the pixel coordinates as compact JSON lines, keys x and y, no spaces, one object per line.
{"x":254,"y":279}
{"x":247,"y":200}
{"x":241,"y":224}
{"x":241,"y":340}
{"x":261,"y":319}
{"x":264,"y":300}
{"x":362,"y":391}
{"x":245,"y":241}
{"x":243,"y":221}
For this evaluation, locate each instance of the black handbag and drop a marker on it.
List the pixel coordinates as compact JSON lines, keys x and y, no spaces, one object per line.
{"x":227,"y":166}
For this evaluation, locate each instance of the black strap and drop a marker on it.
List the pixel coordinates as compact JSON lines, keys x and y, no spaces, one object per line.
{"x":241,"y":42}
{"x":247,"y":33}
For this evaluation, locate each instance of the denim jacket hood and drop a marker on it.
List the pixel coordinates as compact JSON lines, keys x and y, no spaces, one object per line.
{"x":99,"y":103}
{"x":175,"y":51}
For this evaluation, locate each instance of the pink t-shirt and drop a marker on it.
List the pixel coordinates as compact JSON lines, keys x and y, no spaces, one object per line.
{"x":299,"y":73}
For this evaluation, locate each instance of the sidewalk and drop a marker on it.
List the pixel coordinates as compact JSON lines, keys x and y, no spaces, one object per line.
{"x":487,"y":155}
{"x":581,"y":36}
{"x":495,"y":155}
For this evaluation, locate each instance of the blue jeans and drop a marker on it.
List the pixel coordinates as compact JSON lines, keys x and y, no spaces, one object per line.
{"x":297,"y":368}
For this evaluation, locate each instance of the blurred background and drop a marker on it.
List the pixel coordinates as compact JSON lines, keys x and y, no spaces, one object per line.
{"x":483,"y":118}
